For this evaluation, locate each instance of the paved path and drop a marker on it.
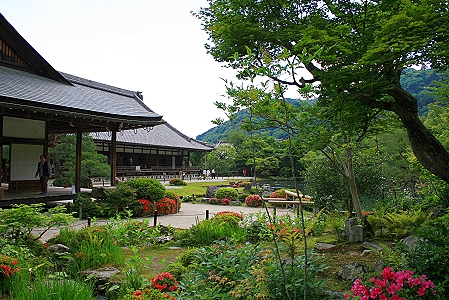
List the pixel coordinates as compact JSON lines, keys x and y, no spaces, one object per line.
{"x":189,"y":215}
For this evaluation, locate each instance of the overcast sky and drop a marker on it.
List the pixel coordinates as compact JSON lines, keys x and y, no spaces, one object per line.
{"x":152,"y":46}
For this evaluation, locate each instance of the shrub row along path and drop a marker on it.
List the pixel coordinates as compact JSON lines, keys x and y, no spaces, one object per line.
{"x":189,"y":215}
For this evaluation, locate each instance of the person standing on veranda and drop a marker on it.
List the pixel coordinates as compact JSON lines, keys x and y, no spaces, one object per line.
{"x":44,"y":172}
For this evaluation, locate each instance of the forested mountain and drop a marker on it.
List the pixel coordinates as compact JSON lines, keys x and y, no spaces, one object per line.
{"x":416,"y":82}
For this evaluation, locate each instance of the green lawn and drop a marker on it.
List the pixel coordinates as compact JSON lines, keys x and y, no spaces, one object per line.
{"x":197,"y":188}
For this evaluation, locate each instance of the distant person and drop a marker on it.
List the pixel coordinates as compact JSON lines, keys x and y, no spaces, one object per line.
{"x":131,"y":162}
{"x":44,"y":172}
{"x":200,"y":174}
{"x":213,"y":173}
{"x":244,"y":172}
{"x":204,"y":174}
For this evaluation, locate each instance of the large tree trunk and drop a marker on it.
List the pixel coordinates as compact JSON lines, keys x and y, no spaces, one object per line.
{"x":350,"y":177}
{"x":427,"y":149}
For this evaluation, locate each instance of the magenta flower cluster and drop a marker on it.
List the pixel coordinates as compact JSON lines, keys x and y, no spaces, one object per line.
{"x":392,"y":286}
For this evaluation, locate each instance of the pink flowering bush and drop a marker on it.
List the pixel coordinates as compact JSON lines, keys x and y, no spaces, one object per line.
{"x":401,"y":285}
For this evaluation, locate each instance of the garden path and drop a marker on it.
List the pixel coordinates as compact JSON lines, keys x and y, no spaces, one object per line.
{"x":189,"y":215}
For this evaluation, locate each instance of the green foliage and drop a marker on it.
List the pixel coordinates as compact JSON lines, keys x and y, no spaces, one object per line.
{"x":93,"y":164}
{"x":121,"y":196}
{"x":399,"y":223}
{"x":93,"y":246}
{"x":18,"y":222}
{"x":147,"y":188}
{"x":208,"y":231}
{"x":335,"y":222}
{"x":257,"y":227}
{"x":132,"y":232}
{"x":227,"y":192}
{"x":216,"y":269}
{"x":99,"y":208}
{"x":223,"y":159}
{"x":233,"y":271}
{"x":25,"y":287}
{"x":430,"y":257}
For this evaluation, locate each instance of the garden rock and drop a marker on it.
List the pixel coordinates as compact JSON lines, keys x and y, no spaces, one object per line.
{"x":353,"y":230}
{"x":59,"y":249}
{"x":102,"y":275}
{"x":324,"y":246}
{"x":211,"y":190}
{"x":372,"y":246}
{"x":352,"y":271}
{"x":247,"y":189}
{"x":412,"y":241}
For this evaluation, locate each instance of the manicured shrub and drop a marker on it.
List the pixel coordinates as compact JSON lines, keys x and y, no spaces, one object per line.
{"x":147,"y":188}
{"x":121,"y":196}
{"x":214,"y":201}
{"x":164,"y":206}
{"x":227,"y":192}
{"x":254,"y":201}
{"x":279,"y":194}
{"x":177,"y":182}
{"x":229,"y":217}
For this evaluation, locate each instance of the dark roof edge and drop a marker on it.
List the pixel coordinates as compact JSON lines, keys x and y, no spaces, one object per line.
{"x":186,"y":137}
{"x":97,"y":85}
{"x":36,"y":62}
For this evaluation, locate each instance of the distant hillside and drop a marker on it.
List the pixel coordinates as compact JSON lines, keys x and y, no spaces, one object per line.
{"x":219,"y":133}
{"x":416,"y":82}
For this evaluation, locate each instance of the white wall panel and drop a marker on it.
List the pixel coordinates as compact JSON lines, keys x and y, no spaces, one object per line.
{"x":23,"y":128}
{"x":24,"y":159}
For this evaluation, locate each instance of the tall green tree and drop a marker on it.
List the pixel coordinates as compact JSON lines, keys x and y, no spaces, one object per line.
{"x":356,"y":49}
{"x":93,"y":164}
{"x":222,"y":159}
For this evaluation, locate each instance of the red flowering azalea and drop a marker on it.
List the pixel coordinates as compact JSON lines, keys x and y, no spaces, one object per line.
{"x":254,"y":201}
{"x":165,"y":282}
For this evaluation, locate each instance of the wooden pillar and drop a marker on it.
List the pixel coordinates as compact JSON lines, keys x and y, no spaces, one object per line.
{"x":113,"y":157}
{"x":1,"y":149}
{"x":79,"y":142}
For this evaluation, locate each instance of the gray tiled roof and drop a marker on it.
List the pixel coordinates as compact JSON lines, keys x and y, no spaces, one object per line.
{"x":89,"y":97}
{"x":161,"y":136}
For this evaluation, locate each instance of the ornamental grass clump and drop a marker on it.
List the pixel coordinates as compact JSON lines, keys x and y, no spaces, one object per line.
{"x":401,"y":285}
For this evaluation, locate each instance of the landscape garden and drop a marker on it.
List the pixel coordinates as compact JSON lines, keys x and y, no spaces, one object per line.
{"x":228,"y":256}
{"x":365,"y":138}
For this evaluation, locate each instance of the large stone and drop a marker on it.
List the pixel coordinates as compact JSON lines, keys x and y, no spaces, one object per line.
{"x":324,"y":246}
{"x":353,"y":230}
{"x":102,"y":275}
{"x":352,"y":271}
{"x":372,"y":246}
{"x":211,"y":190}
{"x":412,"y":241}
